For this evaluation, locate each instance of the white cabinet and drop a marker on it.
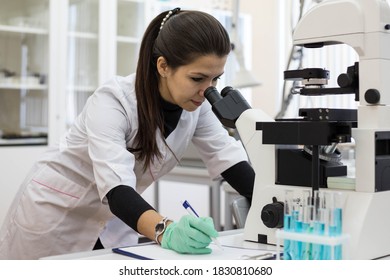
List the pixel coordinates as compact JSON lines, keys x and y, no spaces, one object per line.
{"x":24,"y":90}
{"x":103,"y":38}
{"x":82,"y":70}
{"x":130,"y":30}
{"x":53,"y":55}
{"x":24,"y":43}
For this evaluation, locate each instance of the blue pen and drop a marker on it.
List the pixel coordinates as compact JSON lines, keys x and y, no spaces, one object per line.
{"x":192,"y":211}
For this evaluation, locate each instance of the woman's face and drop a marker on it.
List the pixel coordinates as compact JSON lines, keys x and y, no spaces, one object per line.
{"x":185,"y":85}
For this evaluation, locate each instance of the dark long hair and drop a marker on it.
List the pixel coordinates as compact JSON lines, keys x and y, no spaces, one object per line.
{"x":185,"y":36}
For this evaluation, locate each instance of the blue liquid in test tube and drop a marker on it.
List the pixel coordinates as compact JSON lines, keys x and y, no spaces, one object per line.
{"x":296,"y":246}
{"x":317,"y":249}
{"x":335,"y":229}
{"x":286,"y":243}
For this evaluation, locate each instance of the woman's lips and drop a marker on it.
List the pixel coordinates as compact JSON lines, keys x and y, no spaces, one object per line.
{"x":197,"y":103}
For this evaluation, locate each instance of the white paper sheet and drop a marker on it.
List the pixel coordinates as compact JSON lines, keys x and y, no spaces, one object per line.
{"x":154,"y":251}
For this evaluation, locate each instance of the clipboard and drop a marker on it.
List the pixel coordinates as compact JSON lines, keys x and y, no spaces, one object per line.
{"x":130,"y":254}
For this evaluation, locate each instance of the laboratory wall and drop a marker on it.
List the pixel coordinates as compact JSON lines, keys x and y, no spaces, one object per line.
{"x":269,"y":47}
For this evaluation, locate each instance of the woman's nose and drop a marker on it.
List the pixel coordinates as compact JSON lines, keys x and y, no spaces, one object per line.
{"x":206,"y":86}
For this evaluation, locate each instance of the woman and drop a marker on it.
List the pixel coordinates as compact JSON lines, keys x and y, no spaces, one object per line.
{"x":132,"y":131}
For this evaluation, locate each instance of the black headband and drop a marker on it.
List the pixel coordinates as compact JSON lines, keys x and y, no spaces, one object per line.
{"x":170,"y":13}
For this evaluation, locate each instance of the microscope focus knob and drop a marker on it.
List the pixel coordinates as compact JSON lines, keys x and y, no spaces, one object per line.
{"x":372,"y":96}
{"x":344,"y":80}
{"x":272,"y":214}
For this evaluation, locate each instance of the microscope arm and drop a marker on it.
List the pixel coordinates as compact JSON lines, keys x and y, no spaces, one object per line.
{"x":233,"y":111}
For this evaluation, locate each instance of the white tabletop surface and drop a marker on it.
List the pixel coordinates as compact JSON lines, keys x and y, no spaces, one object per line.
{"x":232,"y":241}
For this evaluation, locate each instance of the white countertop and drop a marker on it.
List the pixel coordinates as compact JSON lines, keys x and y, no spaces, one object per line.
{"x":234,"y":247}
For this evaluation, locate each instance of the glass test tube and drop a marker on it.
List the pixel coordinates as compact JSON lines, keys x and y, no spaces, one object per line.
{"x":307,"y":223}
{"x":319,"y":223}
{"x":287,"y":223}
{"x":297,"y":225}
{"x":335,"y":221}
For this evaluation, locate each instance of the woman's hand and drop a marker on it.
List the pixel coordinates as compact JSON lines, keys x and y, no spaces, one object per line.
{"x":191,"y":235}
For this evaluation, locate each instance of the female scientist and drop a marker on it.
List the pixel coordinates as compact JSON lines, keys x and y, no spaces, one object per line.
{"x":131,"y":132}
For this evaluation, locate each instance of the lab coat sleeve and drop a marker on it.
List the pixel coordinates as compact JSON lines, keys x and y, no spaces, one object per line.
{"x":106,"y":125}
{"x":216,"y":147}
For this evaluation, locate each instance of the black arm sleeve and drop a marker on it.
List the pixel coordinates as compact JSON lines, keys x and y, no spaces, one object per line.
{"x":127,"y":205}
{"x":242,"y":178}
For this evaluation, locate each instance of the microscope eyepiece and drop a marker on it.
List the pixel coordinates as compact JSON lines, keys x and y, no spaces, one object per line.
{"x":212,"y":95}
{"x":225,"y":90}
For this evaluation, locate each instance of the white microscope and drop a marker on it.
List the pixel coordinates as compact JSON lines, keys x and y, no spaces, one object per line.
{"x":365,"y":26}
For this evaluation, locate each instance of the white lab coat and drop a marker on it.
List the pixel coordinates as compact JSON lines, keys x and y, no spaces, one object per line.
{"x":61,"y":206}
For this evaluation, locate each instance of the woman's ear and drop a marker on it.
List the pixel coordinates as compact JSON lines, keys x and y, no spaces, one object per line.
{"x":162,"y":66}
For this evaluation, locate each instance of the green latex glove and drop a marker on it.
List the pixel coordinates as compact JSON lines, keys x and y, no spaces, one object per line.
{"x":191,"y":235}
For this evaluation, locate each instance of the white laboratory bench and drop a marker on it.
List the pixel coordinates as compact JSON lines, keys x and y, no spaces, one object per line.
{"x":232,"y":242}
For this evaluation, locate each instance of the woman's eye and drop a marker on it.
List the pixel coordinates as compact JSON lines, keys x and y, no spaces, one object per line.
{"x":197,"y":79}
